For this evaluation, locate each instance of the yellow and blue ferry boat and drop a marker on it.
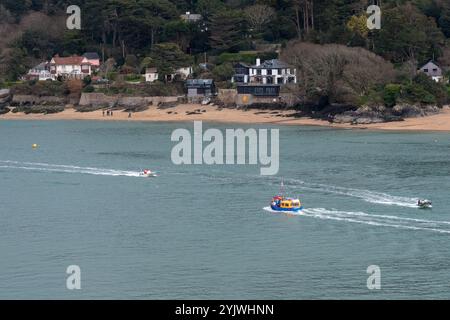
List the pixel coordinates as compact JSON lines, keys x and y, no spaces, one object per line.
{"x":284,"y":204}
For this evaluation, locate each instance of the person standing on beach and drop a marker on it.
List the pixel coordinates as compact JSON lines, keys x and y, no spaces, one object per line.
{"x":103,"y":111}
{"x":129,"y":114}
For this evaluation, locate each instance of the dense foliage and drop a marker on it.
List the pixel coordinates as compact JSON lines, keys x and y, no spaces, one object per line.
{"x":136,"y":34}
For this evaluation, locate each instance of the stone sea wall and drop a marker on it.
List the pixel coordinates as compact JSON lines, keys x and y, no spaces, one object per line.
{"x":102,"y":100}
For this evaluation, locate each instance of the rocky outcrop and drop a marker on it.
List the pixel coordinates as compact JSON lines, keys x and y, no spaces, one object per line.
{"x":42,"y":109}
{"x":4,"y":93}
{"x":5,"y":97}
{"x":30,"y":100}
{"x":378,"y":114}
{"x":37,"y":104}
{"x":412,"y":111}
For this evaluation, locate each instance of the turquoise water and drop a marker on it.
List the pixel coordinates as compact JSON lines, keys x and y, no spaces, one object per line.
{"x":201,"y":232}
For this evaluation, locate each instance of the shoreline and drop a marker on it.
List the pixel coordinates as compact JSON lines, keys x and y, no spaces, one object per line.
{"x":193,"y":112}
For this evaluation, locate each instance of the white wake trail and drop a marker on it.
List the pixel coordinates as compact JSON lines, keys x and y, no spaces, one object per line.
{"x":375,"y":220}
{"x":366,"y":195}
{"x":47,"y":167}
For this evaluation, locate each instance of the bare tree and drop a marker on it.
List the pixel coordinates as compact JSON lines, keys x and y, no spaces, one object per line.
{"x":304,"y":16}
{"x":336,"y":71}
{"x":259,"y":15}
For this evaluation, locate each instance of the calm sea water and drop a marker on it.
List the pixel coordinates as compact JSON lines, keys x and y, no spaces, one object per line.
{"x":201,"y":232}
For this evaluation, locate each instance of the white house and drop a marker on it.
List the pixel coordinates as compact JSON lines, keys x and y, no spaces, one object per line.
{"x":151,"y":74}
{"x":432,"y":70}
{"x":183,"y":73}
{"x":41,"y":72}
{"x":269,"y":72}
{"x":191,"y":17}
{"x":74,"y":67}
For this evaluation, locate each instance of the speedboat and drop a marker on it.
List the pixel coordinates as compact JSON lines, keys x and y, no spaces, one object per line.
{"x":283,"y":204}
{"x":424,"y":204}
{"x":147,"y":174}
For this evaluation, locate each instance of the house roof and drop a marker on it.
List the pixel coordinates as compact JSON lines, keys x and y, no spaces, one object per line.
{"x":91,"y":56}
{"x":41,"y":66}
{"x":191,"y":16}
{"x":430,"y":65}
{"x":199,"y":82}
{"x":242,"y":64}
{"x":73,"y":60}
{"x":151,"y":70}
{"x":272,"y":64}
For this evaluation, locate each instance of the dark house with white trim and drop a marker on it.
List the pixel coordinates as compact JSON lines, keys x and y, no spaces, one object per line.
{"x":269,"y":72}
{"x":200,"y":88}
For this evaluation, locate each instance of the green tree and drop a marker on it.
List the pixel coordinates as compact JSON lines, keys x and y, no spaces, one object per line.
{"x":168,"y":57}
{"x":408,"y":34}
{"x":223,"y":72}
{"x":228,"y":31}
{"x":13,"y":62}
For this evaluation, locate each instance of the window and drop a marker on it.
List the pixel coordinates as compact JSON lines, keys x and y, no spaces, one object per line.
{"x":271,"y":91}
{"x":269,"y":72}
{"x":259,"y":91}
{"x":258,"y":72}
{"x":425,"y":70}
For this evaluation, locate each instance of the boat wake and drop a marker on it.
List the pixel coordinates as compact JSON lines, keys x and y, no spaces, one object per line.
{"x":47,"y":167}
{"x":366,"y":195}
{"x":374,"y":219}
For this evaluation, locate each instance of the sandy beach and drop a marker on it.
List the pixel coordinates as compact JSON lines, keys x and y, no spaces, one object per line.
{"x":190,"y":112}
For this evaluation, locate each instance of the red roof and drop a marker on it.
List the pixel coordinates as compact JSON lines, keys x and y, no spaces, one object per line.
{"x":73,"y":60}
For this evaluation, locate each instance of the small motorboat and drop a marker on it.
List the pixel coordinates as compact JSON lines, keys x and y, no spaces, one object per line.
{"x":147,"y":174}
{"x":424,"y":204}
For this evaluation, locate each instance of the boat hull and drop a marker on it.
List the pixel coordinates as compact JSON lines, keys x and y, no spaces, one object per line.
{"x":149,"y":175}
{"x":275,"y":208}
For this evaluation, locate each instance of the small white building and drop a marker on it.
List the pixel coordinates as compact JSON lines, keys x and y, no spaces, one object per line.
{"x":151,"y":74}
{"x":183,"y":74}
{"x":191,"y":17}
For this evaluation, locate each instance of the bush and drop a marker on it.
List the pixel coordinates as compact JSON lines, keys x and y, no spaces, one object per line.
{"x":87,"y":81}
{"x":41,"y":88}
{"x":435,"y":89}
{"x":112,"y":76}
{"x":391,"y":93}
{"x":416,"y":93}
{"x":89,"y":89}
{"x":223,"y":72}
{"x":133,"y":78}
{"x":248,"y":57}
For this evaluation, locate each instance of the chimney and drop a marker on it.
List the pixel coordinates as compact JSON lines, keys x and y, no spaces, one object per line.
{"x":258,"y":62}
